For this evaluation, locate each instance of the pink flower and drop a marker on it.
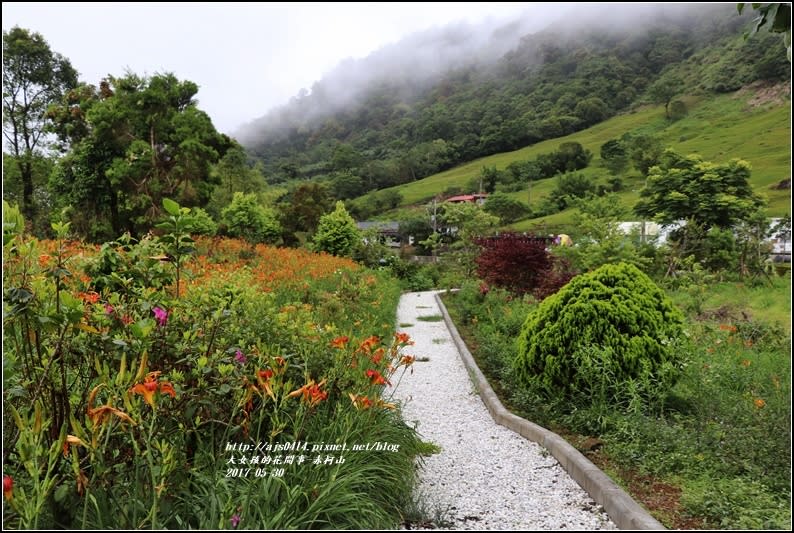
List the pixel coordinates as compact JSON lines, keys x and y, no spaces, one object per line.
{"x":240,"y":357}
{"x":109,"y":309}
{"x":235,"y":520}
{"x":161,"y":315}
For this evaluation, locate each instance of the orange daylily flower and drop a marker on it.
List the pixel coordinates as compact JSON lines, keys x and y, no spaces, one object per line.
{"x":403,"y":338}
{"x":311,"y":393}
{"x":377,"y":356}
{"x":759,"y":403}
{"x":408,"y":360}
{"x":70,"y":441}
{"x":263,"y":377}
{"x":363,"y":402}
{"x":340,"y":342}
{"x":8,"y":488}
{"x":728,"y":327}
{"x":746,"y":362}
{"x":369,"y":343}
{"x":82,"y":482}
{"x":380,"y":403}
{"x":376,"y":378}
{"x":360,"y":402}
{"x":90,"y":297}
{"x":99,"y":414}
{"x":151,"y":385}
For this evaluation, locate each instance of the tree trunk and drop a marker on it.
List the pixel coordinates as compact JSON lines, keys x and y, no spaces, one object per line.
{"x":26,"y":173}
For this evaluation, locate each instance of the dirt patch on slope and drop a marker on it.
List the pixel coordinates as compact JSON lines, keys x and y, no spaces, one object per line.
{"x":761,"y":93}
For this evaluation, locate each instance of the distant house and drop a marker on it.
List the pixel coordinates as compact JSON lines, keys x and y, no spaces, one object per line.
{"x":388,"y":231}
{"x":476,"y":198}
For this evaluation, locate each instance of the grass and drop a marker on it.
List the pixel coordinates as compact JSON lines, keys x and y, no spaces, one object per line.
{"x":736,"y":300}
{"x":719,"y":128}
{"x":430,"y":318}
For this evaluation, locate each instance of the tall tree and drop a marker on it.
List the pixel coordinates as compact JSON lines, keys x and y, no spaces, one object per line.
{"x":301,"y":209}
{"x":705,"y":193}
{"x":33,"y":78}
{"x":139,"y":140}
{"x":663,"y":90}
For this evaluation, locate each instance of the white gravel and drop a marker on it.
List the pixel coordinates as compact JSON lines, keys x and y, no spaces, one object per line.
{"x":486,"y":476}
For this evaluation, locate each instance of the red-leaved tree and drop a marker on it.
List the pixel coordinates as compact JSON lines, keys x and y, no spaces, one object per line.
{"x":513,"y":262}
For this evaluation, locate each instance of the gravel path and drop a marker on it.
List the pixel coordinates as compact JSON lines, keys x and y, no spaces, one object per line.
{"x":486,"y":476}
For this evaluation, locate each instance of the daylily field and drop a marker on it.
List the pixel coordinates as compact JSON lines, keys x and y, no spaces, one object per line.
{"x":233,"y":399}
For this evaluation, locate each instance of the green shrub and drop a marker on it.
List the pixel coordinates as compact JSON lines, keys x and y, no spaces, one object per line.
{"x":201,"y":223}
{"x":246,"y":218}
{"x":724,"y":503}
{"x":337,"y":233}
{"x":616,"y":312}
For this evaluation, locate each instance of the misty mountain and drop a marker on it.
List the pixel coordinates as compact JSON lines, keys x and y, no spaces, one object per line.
{"x":420,"y":59}
{"x":449,"y":95}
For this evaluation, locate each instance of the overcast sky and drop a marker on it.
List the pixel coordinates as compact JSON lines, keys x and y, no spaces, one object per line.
{"x":246,"y":57}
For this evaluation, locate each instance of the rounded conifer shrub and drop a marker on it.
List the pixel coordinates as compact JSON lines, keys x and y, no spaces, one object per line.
{"x":602,"y":330}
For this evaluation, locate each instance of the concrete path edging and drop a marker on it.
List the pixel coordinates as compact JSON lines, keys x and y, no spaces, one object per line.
{"x":621,"y":508}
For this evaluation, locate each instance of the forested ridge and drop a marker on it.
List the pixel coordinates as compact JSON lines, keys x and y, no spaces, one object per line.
{"x":554,"y":82}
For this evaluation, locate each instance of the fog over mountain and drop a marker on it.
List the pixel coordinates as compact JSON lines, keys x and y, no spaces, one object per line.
{"x":417,"y":61}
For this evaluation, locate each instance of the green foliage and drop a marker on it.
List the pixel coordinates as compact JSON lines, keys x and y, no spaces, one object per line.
{"x":506,"y":208}
{"x":615,"y":156}
{"x":645,"y":151}
{"x":719,"y":251}
{"x":724,"y":504}
{"x":591,"y":111}
{"x":712,"y":123}
{"x":233,"y":173}
{"x":388,"y":199}
{"x":722,"y":434}
{"x":34,"y":77}
{"x":177,"y":241}
{"x":345,"y":158}
{"x":347,"y":185}
{"x":166,"y":151}
{"x":487,"y":179}
{"x":710,"y":194}
{"x":337,"y":233}
{"x":271,"y":350}
{"x":663,"y":90}
{"x":600,"y":240}
{"x":13,"y":222}
{"x":300,"y":210}
{"x":245,"y":217}
{"x":678,"y":110}
{"x":569,"y":187}
{"x":465,"y":222}
{"x":370,"y":251}
{"x":605,"y":328}
{"x":779,"y":14}
{"x":201,"y":223}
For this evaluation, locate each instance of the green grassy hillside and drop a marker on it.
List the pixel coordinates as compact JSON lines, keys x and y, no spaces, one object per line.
{"x":718,"y":128}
